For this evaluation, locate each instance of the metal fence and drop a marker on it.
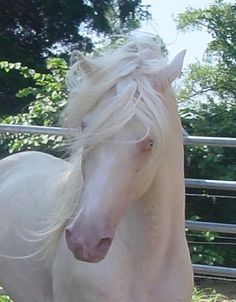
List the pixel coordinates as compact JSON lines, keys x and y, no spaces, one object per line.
{"x":190,"y":183}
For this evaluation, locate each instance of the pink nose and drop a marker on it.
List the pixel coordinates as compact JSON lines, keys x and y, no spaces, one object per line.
{"x":84,"y":251}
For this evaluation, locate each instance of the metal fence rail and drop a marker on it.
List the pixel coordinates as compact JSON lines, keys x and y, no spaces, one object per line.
{"x":220,"y":271}
{"x":190,"y":183}
{"x":36,"y":130}
{"x":211,"y":226}
{"x":188,"y":139}
{"x":210,"y":141}
{"x":210,"y":184}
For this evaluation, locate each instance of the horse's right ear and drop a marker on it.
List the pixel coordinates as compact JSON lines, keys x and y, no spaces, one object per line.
{"x":169,"y":73}
{"x":84,"y":63}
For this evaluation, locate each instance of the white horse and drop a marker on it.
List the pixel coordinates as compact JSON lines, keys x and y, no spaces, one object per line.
{"x":108,"y":224}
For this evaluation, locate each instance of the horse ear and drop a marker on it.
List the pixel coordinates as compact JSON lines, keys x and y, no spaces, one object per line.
{"x":84,"y":63}
{"x":168,"y":74}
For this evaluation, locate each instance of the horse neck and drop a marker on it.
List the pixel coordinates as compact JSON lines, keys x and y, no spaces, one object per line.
{"x":156,"y":220}
{"x":163,"y":206}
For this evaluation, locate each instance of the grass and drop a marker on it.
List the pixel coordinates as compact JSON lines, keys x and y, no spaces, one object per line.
{"x":199,"y":295}
{"x":209,"y":295}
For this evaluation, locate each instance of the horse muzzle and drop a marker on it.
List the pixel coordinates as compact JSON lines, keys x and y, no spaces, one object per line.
{"x":87,"y":250}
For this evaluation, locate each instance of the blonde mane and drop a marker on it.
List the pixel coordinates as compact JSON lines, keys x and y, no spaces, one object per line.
{"x":119,"y":75}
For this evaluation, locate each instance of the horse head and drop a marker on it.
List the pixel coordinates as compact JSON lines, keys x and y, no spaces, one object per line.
{"x":123,"y":105}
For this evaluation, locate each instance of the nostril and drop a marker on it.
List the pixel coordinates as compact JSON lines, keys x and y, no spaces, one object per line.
{"x":104,"y":245}
{"x":74,"y":244}
{"x":68,"y":234}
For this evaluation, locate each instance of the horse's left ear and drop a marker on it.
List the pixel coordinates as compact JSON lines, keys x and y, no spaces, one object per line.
{"x":168,"y":74}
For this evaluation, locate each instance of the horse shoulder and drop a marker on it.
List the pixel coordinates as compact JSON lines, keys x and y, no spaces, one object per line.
{"x":30,"y":180}
{"x":30,"y":163}
{"x":30,"y":159}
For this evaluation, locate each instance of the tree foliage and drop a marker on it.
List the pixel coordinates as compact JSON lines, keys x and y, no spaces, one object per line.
{"x":50,"y":95}
{"x":218,"y":73}
{"x":31,"y":31}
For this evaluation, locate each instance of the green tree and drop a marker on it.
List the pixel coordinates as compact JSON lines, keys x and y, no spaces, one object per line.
{"x":217,"y":75}
{"x":31,"y":31}
{"x":50,"y":95}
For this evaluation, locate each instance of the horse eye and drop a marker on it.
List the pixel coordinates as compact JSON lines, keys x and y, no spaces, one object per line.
{"x":145,"y":145}
{"x":151,"y":144}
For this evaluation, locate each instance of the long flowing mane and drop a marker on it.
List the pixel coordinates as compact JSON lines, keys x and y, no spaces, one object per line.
{"x":124,"y":77}
{"x":122,"y":84}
